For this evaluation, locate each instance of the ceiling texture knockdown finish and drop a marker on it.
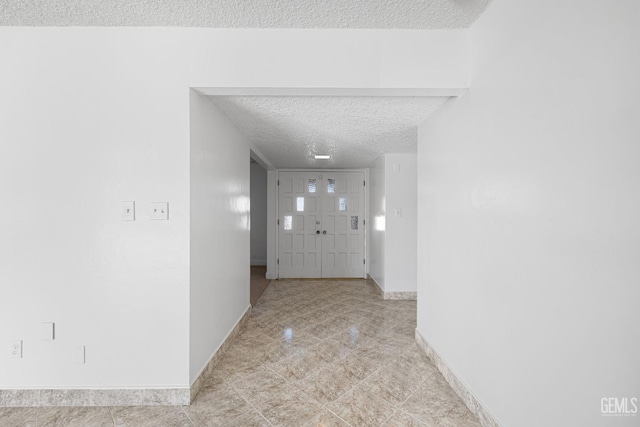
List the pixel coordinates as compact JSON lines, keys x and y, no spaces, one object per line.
{"x":290,"y":130}
{"x":287,"y":131}
{"x":383,"y":14}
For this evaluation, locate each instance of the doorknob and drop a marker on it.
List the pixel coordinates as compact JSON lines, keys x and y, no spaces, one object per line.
{"x":324,"y":232}
{"x":317,"y":231}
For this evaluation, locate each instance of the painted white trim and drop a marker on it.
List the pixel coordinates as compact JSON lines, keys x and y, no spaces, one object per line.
{"x":462,"y":390}
{"x":271,"y":275}
{"x":257,"y":155}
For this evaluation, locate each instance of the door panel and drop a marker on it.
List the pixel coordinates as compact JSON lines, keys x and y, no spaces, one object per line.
{"x":299,"y":247}
{"x":343,"y":245}
{"x":321,"y":231}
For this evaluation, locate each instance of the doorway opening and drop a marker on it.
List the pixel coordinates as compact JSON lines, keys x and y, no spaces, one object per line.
{"x":258,"y":209}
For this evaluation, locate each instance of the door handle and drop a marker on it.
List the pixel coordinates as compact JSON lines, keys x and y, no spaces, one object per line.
{"x":324,"y":232}
{"x":317,"y":231}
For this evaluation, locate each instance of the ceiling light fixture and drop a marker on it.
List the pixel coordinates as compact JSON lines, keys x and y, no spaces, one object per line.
{"x":322,"y":157}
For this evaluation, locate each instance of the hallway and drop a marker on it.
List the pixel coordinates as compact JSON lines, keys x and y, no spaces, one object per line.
{"x":314,"y":353}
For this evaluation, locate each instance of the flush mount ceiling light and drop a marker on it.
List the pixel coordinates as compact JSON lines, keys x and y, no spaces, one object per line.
{"x":322,"y":157}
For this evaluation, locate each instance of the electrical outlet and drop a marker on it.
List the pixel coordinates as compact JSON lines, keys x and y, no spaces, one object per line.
{"x":159,"y":210}
{"x":16,"y":349}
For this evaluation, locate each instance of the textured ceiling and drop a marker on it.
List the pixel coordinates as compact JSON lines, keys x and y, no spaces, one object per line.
{"x":289,"y":130}
{"x":421,"y":14}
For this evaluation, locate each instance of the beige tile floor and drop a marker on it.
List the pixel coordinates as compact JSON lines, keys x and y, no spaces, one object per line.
{"x":315,"y":353}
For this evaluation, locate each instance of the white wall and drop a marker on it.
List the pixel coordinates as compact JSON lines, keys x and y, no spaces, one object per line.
{"x":220,"y":230}
{"x":376,"y":220}
{"x":258,"y":215}
{"x":529,"y":237}
{"x":392,"y":239}
{"x":91,"y":117}
{"x":88,"y":119}
{"x":400,"y":235}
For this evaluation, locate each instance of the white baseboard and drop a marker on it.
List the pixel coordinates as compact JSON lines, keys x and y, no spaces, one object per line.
{"x":461,"y":389}
{"x":271,"y":275}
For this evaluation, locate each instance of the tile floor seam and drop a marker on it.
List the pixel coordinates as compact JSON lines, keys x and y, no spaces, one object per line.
{"x":411,"y":395}
{"x":395,"y":409}
{"x":252,"y":406}
{"x":339,"y":417}
{"x":113,"y":419}
{"x":184,"y":412}
{"x":326,"y":406}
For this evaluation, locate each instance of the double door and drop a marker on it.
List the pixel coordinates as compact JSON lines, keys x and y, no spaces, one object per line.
{"x":321,"y":224}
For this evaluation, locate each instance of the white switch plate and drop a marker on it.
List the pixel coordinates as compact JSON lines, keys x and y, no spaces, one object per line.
{"x":398,"y":213}
{"x":396,"y":167}
{"x":159,"y":210}
{"x":128,"y":211}
{"x":48,"y":331}
{"x":79,"y":355}
{"x":16,"y":349}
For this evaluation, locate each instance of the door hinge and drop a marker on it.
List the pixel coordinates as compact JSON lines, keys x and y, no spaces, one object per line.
{"x":278,"y":261}
{"x":364,"y":222}
{"x":364,"y":183}
{"x":278,"y":182}
{"x":363,"y":261}
{"x":278,"y":222}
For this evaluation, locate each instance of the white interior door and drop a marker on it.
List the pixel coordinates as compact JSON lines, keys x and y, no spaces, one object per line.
{"x":300,"y":215}
{"x":321,"y":224}
{"x":342,"y":224}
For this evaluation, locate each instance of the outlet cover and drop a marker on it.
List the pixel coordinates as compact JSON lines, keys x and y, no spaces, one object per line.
{"x":159,"y":210}
{"x":16,"y":349}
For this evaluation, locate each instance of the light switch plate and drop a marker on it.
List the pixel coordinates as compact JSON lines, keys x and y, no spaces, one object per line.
{"x":48,"y":331}
{"x":128,"y":211}
{"x":398,"y":213}
{"x":159,"y":210}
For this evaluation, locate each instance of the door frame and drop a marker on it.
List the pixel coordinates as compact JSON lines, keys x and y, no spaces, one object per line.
{"x":365,"y":171}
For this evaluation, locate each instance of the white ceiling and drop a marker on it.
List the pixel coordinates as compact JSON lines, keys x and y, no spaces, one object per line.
{"x":289,"y":130}
{"x":421,"y":14}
